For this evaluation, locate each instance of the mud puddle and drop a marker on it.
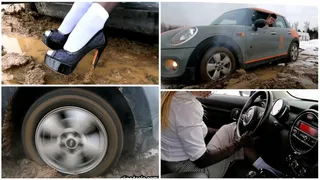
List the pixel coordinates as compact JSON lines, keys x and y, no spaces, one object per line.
{"x":122,"y":62}
{"x":302,"y":74}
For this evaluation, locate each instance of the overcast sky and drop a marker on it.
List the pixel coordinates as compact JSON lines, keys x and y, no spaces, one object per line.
{"x":190,"y":14}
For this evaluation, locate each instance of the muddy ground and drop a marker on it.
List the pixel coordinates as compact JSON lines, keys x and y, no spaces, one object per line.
{"x":124,"y":61}
{"x":302,"y":74}
{"x":144,"y":164}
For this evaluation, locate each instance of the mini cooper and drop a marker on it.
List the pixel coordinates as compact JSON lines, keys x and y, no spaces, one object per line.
{"x":238,"y":39}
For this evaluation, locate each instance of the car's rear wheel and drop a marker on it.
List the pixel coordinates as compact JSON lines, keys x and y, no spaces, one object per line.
{"x":217,"y":63}
{"x":293,"y":51}
{"x":74,"y":131}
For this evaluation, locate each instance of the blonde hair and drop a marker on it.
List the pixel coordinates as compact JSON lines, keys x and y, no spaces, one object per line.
{"x":166,"y":97}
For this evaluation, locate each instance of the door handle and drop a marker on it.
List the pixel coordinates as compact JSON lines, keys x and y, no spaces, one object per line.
{"x":273,"y":33}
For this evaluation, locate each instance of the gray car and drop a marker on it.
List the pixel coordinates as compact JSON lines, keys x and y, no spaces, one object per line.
{"x":238,"y":39}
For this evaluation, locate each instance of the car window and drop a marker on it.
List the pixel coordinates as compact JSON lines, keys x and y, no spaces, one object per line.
{"x":231,"y":18}
{"x":259,"y":15}
{"x":280,"y":22}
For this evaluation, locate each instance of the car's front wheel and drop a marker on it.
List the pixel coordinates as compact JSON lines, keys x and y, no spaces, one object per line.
{"x":293,"y":52}
{"x":217,"y":63}
{"x":73,"y":131}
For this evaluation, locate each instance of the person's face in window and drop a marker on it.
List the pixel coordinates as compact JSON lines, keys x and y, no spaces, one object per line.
{"x":203,"y":94}
{"x":270,"y":20}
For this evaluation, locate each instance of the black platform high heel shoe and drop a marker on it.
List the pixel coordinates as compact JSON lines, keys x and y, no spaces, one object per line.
{"x":65,"y":62}
{"x":54,"y":39}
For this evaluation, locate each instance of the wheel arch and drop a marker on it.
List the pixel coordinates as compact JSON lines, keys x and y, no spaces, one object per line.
{"x":295,"y":40}
{"x":218,"y":40}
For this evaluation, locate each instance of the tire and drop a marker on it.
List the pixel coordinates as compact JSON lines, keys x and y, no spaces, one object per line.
{"x":81,"y":99}
{"x":207,"y":56}
{"x":291,"y":58}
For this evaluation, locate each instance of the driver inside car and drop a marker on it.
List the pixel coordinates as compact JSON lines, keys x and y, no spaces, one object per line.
{"x":270,"y":20}
{"x":183,"y":148}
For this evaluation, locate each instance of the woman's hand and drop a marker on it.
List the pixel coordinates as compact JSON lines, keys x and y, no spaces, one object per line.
{"x":246,"y":140}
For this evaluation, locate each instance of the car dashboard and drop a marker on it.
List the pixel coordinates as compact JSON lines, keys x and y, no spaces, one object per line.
{"x":299,"y":121}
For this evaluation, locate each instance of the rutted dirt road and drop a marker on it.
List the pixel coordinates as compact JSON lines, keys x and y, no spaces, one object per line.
{"x":123,"y":61}
{"x":302,"y":74}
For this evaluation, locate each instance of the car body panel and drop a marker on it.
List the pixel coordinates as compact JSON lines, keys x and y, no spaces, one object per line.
{"x":144,"y":103}
{"x":139,"y":17}
{"x":178,"y":56}
{"x":261,"y":43}
{"x":7,"y":95}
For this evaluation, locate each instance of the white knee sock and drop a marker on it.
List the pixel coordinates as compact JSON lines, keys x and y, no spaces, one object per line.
{"x":74,"y":15}
{"x":260,"y":164}
{"x":87,"y":27}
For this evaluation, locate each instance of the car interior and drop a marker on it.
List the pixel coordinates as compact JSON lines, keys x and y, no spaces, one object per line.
{"x":286,"y":127}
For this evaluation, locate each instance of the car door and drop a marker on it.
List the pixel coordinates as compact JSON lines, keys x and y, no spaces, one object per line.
{"x":220,"y":107}
{"x":284,"y":35}
{"x":261,"y":44}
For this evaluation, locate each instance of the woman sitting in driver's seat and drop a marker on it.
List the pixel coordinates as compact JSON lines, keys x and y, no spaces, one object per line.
{"x":183,"y":147}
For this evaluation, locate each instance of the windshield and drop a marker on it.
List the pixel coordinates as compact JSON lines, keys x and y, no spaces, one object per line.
{"x":231,"y":18}
{"x":300,"y":94}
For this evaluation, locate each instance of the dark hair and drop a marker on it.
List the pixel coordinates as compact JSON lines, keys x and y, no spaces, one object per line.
{"x":274,"y":16}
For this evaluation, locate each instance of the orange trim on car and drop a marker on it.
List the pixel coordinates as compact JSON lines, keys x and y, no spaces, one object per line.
{"x":294,"y":33}
{"x":240,"y":34}
{"x":265,"y":11}
{"x":264,"y":58}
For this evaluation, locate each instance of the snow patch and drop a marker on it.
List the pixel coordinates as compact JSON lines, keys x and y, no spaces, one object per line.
{"x":150,"y":153}
{"x":309,"y":47}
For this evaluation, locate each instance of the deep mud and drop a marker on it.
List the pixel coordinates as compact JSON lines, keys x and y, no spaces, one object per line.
{"x":302,"y":74}
{"x":145,"y":164}
{"x":123,"y":61}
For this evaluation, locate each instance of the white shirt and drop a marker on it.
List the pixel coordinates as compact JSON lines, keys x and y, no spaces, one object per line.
{"x":184,"y":138}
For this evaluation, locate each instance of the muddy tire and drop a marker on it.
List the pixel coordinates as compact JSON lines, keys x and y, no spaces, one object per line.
{"x":293,"y":52}
{"x":81,"y":99}
{"x":221,"y":62}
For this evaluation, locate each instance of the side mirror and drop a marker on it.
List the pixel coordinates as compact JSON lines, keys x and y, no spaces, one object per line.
{"x":259,"y":23}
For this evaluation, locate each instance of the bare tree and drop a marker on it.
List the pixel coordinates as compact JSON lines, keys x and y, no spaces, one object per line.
{"x":295,"y":25}
{"x":306,"y":25}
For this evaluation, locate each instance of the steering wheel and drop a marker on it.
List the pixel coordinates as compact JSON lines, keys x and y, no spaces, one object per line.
{"x":251,"y":117}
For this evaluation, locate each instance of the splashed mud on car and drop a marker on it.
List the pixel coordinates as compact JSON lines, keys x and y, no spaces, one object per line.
{"x":123,"y":61}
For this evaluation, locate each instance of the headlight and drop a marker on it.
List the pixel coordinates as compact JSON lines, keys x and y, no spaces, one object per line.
{"x":184,"y":36}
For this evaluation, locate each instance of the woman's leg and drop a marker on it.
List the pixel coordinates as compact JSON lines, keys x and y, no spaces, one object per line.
{"x":91,"y":22}
{"x":223,"y":137}
{"x":74,"y":15}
